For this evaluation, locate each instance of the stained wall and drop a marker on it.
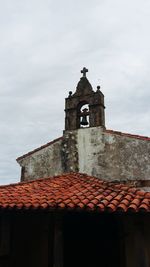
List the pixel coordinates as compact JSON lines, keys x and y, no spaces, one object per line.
{"x":44,"y":162}
{"x":113,"y":157}
{"x":95,"y":151}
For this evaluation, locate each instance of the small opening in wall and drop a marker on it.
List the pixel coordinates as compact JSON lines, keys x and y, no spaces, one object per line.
{"x":84,"y":116}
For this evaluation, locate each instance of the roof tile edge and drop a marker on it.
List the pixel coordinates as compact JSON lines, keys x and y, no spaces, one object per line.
{"x":142,"y":137}
{"x":38,"y":149}
{"x":146,"y":138}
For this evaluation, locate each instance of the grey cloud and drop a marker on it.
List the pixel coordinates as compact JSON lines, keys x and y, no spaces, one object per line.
{"x":43,"y":46}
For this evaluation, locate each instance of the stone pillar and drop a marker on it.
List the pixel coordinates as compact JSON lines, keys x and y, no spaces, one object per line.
{"x":69,"y":152}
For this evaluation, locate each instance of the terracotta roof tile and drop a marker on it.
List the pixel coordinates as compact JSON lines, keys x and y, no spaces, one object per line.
{"x":76,"y":192}
{"x":101,"y":207}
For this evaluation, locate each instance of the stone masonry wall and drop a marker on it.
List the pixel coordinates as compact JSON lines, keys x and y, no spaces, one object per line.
{"x":43,"y":163}
{"x":69,"y":152}
{"x":112,"y":156}
{"x":95,"y":151}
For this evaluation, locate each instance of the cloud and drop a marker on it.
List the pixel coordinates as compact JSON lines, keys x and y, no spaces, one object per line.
{"x":44,"y":44}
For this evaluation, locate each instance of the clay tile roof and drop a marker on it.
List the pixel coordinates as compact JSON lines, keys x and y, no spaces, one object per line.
{"x":73,"y":191}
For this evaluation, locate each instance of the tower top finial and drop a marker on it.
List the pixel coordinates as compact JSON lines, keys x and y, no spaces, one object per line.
{"x":84,"y":71}
{"x":85,"y":107}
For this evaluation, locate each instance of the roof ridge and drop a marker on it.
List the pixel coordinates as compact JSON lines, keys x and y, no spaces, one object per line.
{"x":39,"y":148}
{"x":128,"y":134}
{"x":41,"y":179}
{"x":142,"y":137}
{"x":74,"y":191}
{"x":30,"y":181}
{"x":114,"y":185}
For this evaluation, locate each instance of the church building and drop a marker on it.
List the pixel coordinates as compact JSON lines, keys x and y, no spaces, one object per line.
{"x":84,"y":198}
{"x":87,"y":146}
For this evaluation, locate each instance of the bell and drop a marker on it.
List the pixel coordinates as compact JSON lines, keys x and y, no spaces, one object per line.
{"x":84,"y":120}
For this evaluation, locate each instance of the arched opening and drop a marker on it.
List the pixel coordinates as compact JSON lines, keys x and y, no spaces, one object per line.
{"x":83,"y":115}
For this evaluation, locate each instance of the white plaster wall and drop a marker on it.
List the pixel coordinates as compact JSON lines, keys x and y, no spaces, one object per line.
{"x":113,"y":157}
{"x":89,"y":145}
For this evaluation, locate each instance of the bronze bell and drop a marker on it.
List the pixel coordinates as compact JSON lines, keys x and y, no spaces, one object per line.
{"x":84,"y":117}
{"x":84,"y":120}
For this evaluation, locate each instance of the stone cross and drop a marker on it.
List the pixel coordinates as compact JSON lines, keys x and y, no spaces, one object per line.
{"x":84,"y":71}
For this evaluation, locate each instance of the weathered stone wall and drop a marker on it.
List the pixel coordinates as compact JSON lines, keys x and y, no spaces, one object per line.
{"x":43,"y":163}
{"x":69,"y":152}
{"x":94,"y":151}
{"x":112,"y":156}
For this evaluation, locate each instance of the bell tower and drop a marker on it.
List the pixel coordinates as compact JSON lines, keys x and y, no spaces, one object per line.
{"x":84,"y":108}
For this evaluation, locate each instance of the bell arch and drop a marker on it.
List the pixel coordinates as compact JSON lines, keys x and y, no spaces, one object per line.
{"x":85,"y":107}
{"x":83,"y":114}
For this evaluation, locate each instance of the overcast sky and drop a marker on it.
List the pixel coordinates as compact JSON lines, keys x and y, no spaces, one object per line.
{"x":43,"y":47}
